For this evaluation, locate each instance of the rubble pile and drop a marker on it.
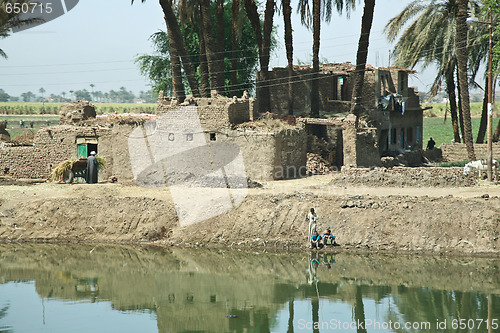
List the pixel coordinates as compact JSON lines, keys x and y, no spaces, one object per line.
{"x":317,"y":165}
{"x":406,"y":177}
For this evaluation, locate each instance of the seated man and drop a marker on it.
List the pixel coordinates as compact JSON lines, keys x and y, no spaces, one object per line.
{"x":316,"y":241}
{"x":328,"y":238}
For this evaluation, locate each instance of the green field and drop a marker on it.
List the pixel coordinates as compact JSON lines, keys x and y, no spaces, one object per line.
{"x":14,"y":128}
{"x":442,"y":132}
{"x":34,"y":108}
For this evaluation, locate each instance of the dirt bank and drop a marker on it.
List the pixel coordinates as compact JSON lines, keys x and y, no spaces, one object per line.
{"x":274,"y":216}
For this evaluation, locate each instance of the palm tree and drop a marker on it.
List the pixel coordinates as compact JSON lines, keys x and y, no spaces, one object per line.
{"x":461,"y":51}
{"x":178,"y":51}
{"x":203,"y":68}
{"x":234,"y":45}
{"x":316,"y":38}
{"x":264,"y":43}
{"x":42,"y":92}
{"x":12,"y":20}
{"x":220,"y":44}
{"x":320,"y":9}
{"x":359,"y":75}
{"x":430,"y":39}
{"x":287,"y":17}
{"x":206,"y":27}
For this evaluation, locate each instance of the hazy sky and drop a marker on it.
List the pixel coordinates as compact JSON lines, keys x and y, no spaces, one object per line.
{"x":98,"y":40}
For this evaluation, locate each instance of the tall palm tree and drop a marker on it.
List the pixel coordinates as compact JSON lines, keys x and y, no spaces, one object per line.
{"x":206,"y":26}
{"x":321,"y":9}
{"x":203,"y":68}
{"x":362,"y":55}
{"x":178,"y":51}
{"x":234,"y":44}
{"x":220,"y":44}
{"x":263,"y":36}
{"x":430,"y":39}
{"x":287,"y":18}
{"x":316,"y":11}
{"x":461,"y":51}
{"x":12,"y":20}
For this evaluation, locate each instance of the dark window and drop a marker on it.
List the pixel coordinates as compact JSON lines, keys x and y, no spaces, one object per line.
{"x":394,"y":138}
{"x":212,"y":137}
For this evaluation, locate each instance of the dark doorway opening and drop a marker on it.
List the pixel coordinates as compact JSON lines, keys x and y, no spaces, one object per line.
{"x":90,"y":148}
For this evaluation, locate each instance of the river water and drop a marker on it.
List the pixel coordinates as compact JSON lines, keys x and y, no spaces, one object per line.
{"x":87,"y":288}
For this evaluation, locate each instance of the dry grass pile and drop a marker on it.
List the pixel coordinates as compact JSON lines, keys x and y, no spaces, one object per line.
{"x":61,"y":172}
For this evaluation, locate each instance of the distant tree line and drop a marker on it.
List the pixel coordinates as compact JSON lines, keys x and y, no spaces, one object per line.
{"x":121,"y":95}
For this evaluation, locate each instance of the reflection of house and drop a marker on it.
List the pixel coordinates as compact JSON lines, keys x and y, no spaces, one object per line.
{"x":394,"y":107}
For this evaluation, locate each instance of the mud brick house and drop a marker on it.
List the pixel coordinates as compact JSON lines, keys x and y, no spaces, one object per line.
{"x":394,"y":108}
{"x":267,"y":154}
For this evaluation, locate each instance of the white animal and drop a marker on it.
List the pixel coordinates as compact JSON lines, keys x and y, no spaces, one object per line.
{"x":481,"y":165}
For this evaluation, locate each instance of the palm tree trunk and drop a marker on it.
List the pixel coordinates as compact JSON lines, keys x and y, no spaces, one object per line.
{"x":264,"y":43}
{"x":176,"y":69}
{"x":460,"y":111}
{"x":234,"y":53}
{"x":361,"y":58}
{"x":174,"y":34}
{"x":461,"y":50}
{"x":220,"y":45}
{"x":484,"y":118}
{"x":203,"y":68}
{"x":287,"y":17}
{"x":450,"y":89}
{"x":316,"y":38}
{"x":209,"y":43}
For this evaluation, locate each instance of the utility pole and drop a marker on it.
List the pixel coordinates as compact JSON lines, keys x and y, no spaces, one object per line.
{"x":490,"y":100}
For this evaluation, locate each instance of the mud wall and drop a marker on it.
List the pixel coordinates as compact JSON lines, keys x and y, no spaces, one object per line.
{"x":453,"y":152}
{"x":291,"y":148}
{"x":214,"y":113}
{"x":53,"y":145}
{"x":259,"y":165}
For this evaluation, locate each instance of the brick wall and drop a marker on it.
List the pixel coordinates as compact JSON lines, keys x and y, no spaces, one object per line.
{"x":53,"y":145}
{"x":214,"y":113}
{"x":291,"y":154}
{"x":453,"y":152}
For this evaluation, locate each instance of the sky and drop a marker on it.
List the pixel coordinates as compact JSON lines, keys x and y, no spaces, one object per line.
{"x":97,"y":41}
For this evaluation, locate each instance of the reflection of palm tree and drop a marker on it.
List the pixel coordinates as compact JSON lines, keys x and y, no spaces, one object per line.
{"x":359,"y":310}
{"x":315,"y":313}
{"x":290,"y":316}
{"x":427,"y":305}
{"x":3,"y":313}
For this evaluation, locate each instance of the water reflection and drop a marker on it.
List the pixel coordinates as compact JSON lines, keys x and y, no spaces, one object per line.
{"x":230,"y":291}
